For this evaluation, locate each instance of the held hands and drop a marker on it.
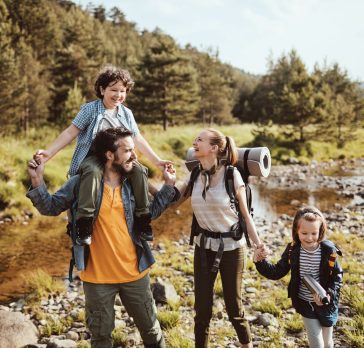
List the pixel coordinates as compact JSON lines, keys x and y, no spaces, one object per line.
{"x":163,"y":163}
{"x":35,"y":170}
{"x":45,"y":154}
{"x":169,"y":174}
{"x":260,"y":252}
{"x":318,"y":301}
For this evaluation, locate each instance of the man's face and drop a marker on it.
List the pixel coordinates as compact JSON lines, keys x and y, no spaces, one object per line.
{"x":124,"y":156}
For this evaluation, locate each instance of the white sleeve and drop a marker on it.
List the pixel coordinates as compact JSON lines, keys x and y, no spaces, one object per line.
{"x":238,"y":180}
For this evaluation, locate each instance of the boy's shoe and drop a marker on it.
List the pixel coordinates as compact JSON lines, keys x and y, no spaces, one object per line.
{"x":84,"y":230}
{"x":143,"y":228}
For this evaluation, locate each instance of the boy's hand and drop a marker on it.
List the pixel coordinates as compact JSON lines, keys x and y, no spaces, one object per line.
{"x":260,"y":252}
{"x":45,"y":154}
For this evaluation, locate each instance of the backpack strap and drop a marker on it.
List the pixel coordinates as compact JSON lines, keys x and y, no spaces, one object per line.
{"x":332,"y":259}
{"x":230,"y":189}
{"x":193,"y":176}
{"x":291,"y":245}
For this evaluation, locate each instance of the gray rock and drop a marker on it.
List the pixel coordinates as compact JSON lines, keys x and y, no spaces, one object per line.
{"x":57,"y":343}
{"x":267,"y":319}
{"x":16,"y":330}
{"x":164,"y":292}
{"x":72,"y":335}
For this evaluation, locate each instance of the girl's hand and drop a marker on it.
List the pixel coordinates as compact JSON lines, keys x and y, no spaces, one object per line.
{"x":318,"y":301}
{"x":260,"y":252}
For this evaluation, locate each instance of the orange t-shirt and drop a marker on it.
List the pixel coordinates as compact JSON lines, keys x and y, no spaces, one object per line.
{"x":113,"y":257}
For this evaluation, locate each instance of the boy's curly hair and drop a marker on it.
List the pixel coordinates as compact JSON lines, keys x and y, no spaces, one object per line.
{"x":112,"y":74}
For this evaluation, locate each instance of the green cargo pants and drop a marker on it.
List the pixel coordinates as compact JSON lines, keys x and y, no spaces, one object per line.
{"x":138,"y":301}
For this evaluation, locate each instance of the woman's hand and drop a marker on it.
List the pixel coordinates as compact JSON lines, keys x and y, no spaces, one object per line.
{"x":260,"y":252}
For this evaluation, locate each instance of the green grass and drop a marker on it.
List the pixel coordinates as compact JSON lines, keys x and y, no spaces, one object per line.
{"x":168,"y":319}
{"x":171,"y":144}
{"x":40,"y":285}
{"x":295,"y":324}
{"x":176,"y":339}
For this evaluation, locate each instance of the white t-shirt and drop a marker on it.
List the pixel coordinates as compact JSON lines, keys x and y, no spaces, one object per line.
{"x":109,"y":120}
{"x":215,"y":214}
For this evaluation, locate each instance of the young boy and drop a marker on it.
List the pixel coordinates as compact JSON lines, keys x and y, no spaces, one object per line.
{"x":111,"y":87}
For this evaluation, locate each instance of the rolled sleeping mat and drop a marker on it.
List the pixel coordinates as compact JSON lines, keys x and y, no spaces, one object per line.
{"x":256,"y":161}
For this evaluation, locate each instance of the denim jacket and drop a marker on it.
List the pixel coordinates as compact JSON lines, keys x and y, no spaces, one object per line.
{"x":66,"y":198}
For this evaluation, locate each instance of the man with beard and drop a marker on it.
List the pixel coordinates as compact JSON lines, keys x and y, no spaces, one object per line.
{"x":119,"y":260}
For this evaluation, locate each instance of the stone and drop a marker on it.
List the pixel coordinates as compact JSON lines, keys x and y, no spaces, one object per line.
{"x":72,"y":335}
{"x":16,"y":330}
{"x":164,"y":292}
{"x":58,"y":343}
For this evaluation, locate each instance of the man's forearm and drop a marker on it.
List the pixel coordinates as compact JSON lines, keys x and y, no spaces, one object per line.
{"x":36,"y":181}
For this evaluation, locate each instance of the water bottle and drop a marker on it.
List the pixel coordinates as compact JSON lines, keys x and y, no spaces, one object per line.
{"x":315,"y":288}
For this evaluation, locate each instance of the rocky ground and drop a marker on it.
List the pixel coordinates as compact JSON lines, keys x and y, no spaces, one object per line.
{"x":266,"y":328}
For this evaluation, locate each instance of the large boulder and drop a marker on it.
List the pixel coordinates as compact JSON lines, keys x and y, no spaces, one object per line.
{"x":16,"y":330}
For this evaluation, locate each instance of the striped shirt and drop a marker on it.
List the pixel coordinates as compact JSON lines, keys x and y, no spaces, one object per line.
{"x":216,"y":214}
{"x":309,"y":264}
{"x":88,"y":120}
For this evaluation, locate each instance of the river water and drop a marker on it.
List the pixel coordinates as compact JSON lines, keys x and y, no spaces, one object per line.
{"x":43,"y":243}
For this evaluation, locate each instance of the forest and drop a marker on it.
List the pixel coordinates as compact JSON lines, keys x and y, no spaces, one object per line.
{"x":51,"y":51}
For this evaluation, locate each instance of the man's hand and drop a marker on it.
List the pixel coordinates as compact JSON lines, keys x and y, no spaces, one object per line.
{"x":169,"y":175}
{"x":36,"y":170}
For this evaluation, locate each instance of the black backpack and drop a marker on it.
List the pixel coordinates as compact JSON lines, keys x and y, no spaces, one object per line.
{"x":229,"y":185}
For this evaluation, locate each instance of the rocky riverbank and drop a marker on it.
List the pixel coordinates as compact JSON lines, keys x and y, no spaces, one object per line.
{"x":60,"y":318}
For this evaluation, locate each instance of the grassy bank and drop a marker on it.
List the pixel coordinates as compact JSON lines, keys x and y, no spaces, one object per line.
{"x":15,"y":152}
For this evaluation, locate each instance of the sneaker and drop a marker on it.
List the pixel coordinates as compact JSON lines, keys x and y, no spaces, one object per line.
{"x":84,"y":231}
{"x":143,"y":228}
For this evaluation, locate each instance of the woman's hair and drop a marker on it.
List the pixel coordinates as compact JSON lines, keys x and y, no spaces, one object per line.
{"x":226,"y":146}
{"x":111,"y":74}
{"x":308,"y":213}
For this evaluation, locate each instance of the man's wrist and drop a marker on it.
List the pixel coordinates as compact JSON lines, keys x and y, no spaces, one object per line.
{"x":36,"y":182}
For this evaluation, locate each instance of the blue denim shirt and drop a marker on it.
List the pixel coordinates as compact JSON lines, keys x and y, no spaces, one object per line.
{"x":87,"y":121}
{"x":64,"y":199}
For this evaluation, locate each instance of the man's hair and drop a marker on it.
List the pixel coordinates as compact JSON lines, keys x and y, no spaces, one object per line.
{"x":112,"y":74}
{"x":106,"y":140}
{"x":309,"y":213}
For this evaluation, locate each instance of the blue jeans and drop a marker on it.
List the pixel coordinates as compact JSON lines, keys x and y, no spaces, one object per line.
{"x":138,"y":301}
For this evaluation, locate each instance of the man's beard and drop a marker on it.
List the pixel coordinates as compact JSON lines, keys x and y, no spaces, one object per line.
{"x":119,"y":168}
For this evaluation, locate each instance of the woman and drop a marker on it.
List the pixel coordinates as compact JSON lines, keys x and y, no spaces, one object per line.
{"x":214,"y":219}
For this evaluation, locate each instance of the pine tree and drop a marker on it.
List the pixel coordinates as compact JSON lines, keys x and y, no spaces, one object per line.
{"x":167,"y":91}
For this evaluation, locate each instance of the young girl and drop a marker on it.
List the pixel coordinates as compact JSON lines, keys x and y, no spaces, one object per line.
{"x":215,"y":248}
{"x":309,"y":254}
{"x":111,"y":87}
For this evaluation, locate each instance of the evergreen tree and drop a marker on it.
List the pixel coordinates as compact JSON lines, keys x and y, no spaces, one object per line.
{"x":9,"y":81}
{"x":72,"y":105}
{"x":167,"y":91}
{"x":344,"y":105}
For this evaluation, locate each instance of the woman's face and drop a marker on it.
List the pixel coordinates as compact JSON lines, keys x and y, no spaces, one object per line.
{"x":202,"y":145}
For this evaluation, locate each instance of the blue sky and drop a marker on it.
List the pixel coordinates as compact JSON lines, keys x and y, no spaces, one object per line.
{"x":248,"y":32}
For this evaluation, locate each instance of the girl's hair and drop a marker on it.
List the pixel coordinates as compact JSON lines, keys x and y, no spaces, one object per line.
{"x":111,"y":74}
{"x":309,"y":213}
{"x":226,"y":146}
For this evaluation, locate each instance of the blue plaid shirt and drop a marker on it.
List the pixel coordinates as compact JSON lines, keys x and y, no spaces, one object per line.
{"x":87,"y":120}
